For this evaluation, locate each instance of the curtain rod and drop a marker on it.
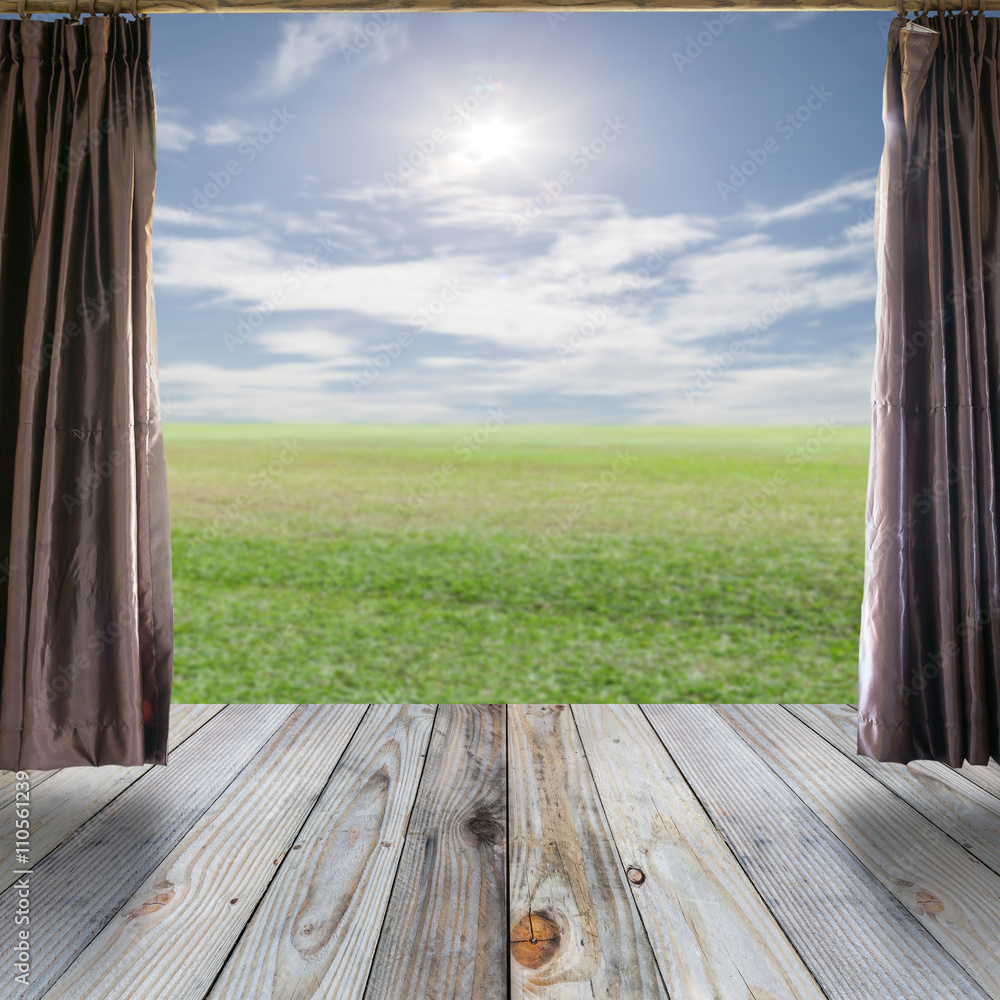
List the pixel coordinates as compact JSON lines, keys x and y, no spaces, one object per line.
{"x":405,"y":6}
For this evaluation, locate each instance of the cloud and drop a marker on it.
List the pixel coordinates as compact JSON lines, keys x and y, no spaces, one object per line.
{"x":685,"y":271}
{"x":308,"y":41}
{"x":317,"y":343}
{"x":599,"y":305}
{"x":840,"y":195}
{"x":173,"y":136}
{"x":835,"y":386}
{"x":224,"y":133}
{"x":299,"y":392}
{"x":170,"y":216}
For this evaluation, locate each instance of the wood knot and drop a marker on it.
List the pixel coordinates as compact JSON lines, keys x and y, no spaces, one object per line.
{"x":235,"y":899}
{"x":155,"y":903}
{"x":928,"y":904}
{"x":534,"y":940}
{"x":484,"y":829}
{"x":544,"y":711}
{"x":635,"y":875}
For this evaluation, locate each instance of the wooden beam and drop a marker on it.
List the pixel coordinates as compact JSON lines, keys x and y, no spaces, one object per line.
{"x":407,"y":6}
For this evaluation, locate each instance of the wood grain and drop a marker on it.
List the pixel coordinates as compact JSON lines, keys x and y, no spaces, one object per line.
{"x":712,"y":934}
{"x":985,"y":776}
{"x":959,"y":807}
{"x":403,"y":6}
{"x":575,"y":930}
{"x":84,"y":881}
{"x":72,"y":795}
{"x":854,"y":936}
{"x":172,"y":936}
{"x":951,"y":893}
{"x":445,"y":931}
{"x":753,"y":856}
{"x":9,"y":778}
{"x":314,"y":933}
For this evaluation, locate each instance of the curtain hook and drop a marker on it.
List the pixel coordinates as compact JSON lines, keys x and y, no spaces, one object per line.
{"x":134,"y":9}
{"x":74,"y":17}
{"x":900,"y":8}
{"x":93,"y":4}
{"x":21,"y":11}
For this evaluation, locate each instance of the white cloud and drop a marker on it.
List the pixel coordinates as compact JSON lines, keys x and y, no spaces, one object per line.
{"x":224,"y":133}
{"x":307,"y":41}
{"x":319,"y":344}
{"x":834,"y":387}
{"x":290,"y":392}
{"x":501,"y":313}
{"x":527,"y":300}
{"x":173,"y":136}
{"x":171,"y":216}
{"x":846,"y":192}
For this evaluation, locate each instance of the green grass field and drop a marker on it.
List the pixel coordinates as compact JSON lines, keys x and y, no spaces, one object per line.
{"x":326,"y":563}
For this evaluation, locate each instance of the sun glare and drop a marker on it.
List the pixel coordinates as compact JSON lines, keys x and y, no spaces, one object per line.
{"x":486,"y":141}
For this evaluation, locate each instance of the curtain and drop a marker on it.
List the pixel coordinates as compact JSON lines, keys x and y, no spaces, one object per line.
{"x":86,"y":615}
{"x":930,"y":625}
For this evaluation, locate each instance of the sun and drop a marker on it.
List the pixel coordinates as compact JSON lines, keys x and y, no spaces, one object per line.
{"x":488,"y":141}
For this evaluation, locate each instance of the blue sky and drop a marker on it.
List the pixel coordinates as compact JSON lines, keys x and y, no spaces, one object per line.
{"x":601,"y":218}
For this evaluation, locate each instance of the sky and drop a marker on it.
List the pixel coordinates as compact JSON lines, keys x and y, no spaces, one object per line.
{"x":637,"y":218}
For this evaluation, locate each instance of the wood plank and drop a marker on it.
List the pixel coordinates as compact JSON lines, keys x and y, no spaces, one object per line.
{"x":173,"y":935}
{"x":9,"y":778}
{"x":404,"y":6}
{"x":575,"y":930}
{"x":315,"y":931}
{"x":73,"y":794}
{"x":445,"y":932}
{"x":712,"y":934}
{"x":949,"y":800}
{"x":84,"y":881}
{"x":854,"y":936}
{"x":181,"y":726}
{"x":951,"y":893}
{"x":986,"y":776}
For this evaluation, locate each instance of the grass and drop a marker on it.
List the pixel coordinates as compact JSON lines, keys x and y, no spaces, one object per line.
{"x":701,"y":564}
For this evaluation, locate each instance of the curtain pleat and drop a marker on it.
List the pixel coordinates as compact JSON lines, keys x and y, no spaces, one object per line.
{"x":86,"y":612}
{"x":929,"y":679}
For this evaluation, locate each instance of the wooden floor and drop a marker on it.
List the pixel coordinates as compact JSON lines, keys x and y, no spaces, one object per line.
{"x":459,"y":852}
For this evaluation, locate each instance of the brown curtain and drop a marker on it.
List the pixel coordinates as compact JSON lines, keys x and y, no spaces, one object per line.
{"x":930,"y":629}
{"x":86,"y":618}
